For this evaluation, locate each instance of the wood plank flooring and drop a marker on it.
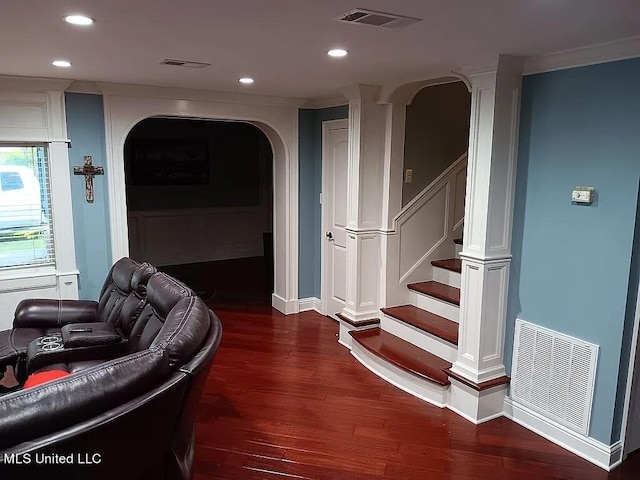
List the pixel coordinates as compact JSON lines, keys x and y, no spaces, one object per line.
{"x":285,"y":401}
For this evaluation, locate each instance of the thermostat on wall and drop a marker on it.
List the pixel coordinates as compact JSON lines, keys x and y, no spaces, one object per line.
{"x":582,"y":194}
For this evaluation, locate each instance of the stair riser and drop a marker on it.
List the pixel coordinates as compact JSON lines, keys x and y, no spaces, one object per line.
{"x":433,"y":305}
{"x":419,"y":338}
{"x":458,"y":250}
{"x":442,"y":275}
{"x":424,"y":389}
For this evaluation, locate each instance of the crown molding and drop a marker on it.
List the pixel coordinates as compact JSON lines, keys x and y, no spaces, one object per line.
{"x":580,"y":57}
{"x":147,"y":91}
{"x":31,"y":84}
{"x":317,"y":103}
{"x":79,"y":86}
{"x":360,"y":92}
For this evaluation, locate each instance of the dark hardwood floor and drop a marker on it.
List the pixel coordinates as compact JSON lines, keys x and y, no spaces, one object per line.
{"x":285,"y":401}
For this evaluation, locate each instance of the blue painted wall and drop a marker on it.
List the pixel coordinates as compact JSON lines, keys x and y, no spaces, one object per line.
{"x":310,"y":183}
{"x":572,"y":264}
{"x":85,"y":128}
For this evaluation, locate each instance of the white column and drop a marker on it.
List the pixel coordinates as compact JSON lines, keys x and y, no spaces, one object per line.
{"x":486,"y":254}
{"x":364,"y":202}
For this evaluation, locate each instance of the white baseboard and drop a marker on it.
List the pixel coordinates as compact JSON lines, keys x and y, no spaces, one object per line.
{"x":284,"y":306}
{"x":598,"y":453}
{"x":310,"y":303}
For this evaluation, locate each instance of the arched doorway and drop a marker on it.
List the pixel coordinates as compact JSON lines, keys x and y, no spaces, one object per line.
{"x":200,"y":205}
{"x":277,"y":119}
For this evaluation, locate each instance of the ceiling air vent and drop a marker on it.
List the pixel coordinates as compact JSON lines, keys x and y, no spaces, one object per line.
{"x":376,"y":19}
{"x":184,"y":63}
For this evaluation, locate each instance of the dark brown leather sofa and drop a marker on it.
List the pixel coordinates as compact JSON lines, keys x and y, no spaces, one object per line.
{"x":124,"y":412}
{"x":124,"y":288}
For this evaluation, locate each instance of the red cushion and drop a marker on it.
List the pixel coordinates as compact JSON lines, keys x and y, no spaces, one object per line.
{"x":42,"y":377}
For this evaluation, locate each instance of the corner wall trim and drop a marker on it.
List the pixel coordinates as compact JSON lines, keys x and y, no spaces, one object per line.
{"x":596,"y":452}
{"x":285,"y":306}
{"x":310,"y":303}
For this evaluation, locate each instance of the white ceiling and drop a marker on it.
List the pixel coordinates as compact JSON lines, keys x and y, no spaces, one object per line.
{"x":283,"y":43}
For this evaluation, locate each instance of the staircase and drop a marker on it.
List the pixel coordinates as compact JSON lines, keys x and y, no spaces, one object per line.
{"x":414,"y":345}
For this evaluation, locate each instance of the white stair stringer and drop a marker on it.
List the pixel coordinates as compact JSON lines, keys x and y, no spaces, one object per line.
{"x":418,"y":387}
{"x":421,"y":339}
{"x":433,"y":305}
{"x":442,"y":275}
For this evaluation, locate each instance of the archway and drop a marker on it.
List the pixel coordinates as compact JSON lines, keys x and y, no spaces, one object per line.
{"x":125,"y":109}
{"x":200,"y":205}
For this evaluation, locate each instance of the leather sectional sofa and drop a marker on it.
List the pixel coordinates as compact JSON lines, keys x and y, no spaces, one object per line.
{"x":132,"y":366}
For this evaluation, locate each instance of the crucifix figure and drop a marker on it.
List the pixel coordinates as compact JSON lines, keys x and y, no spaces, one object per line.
{"x":89,"y":171}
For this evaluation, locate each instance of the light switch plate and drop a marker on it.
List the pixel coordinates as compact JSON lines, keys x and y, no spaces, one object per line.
{"x":582,"y":194}
{"x":408,"y":175}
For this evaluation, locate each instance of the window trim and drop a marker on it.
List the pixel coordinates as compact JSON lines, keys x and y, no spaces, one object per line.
{"x":35,"y":114}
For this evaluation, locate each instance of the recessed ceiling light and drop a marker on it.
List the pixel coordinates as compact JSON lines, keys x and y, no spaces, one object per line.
{"x":246,"y":80}
{"x":337,"y":52}
{"x":79,"y":20}
{"x":61,"y":63}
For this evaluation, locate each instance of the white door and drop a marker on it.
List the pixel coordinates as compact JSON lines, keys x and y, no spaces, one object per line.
{"x":335,"y":149}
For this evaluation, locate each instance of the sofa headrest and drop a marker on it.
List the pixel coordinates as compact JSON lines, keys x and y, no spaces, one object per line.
{"x":163,"y":292}
{"x":122,"y":273}
{"x":184,"y":330}
{"x":141,"y":277}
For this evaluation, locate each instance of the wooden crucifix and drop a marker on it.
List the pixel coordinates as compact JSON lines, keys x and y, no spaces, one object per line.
{"x":89,"y":171}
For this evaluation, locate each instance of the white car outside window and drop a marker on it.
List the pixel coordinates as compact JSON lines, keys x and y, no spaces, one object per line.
{"x":20,"y":200}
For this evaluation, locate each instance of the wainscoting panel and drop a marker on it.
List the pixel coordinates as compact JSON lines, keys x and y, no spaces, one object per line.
{"x":198,"y":235}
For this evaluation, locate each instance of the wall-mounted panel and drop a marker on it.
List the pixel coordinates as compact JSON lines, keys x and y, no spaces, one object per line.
{"x":422,"y":230}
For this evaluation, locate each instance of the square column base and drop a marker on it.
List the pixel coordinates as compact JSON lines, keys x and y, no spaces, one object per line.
{"x":477,"y":407}
{"x":477,"y":403}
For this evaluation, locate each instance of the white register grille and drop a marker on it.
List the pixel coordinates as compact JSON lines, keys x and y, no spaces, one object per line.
{"x":554,"y":374}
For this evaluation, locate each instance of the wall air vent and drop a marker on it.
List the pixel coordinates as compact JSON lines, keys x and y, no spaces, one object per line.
{"x":376,"y":19}
{"x":184,"y":63}
{"x":554,"y":374}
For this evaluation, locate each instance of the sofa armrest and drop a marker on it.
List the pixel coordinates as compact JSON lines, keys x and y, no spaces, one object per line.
{"x":89,"y":334}
{"x":50,"y":313}
{"x":49,"y":350}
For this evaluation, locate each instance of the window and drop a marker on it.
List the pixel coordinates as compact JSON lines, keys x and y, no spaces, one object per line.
{"x":26,"y":237}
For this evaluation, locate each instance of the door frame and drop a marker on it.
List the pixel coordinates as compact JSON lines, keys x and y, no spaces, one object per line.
{"x":631,"y":374}
{"x":324,"y":280}
{"x":125,"y":106}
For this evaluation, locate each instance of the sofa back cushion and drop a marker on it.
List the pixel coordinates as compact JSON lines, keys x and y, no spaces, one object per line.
{"x":30,"y":413}
{"x":163,"y":293}
{"x":116,"y":289}
{"x":184,"y":331}
{"x":135,"y":302}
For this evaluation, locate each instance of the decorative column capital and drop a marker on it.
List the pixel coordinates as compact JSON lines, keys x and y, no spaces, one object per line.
{"x":360,"y":93}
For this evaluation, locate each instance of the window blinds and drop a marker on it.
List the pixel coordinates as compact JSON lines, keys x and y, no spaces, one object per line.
{"x":26,"y":218}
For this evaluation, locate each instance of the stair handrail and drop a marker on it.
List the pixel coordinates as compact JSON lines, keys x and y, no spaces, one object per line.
{"x":426,"y":192}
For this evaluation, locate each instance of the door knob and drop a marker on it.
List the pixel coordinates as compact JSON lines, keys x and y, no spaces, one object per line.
{"x":329,"y":235}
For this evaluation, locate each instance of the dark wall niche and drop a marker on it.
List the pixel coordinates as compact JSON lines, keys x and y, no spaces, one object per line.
{"x":183,"y":163}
